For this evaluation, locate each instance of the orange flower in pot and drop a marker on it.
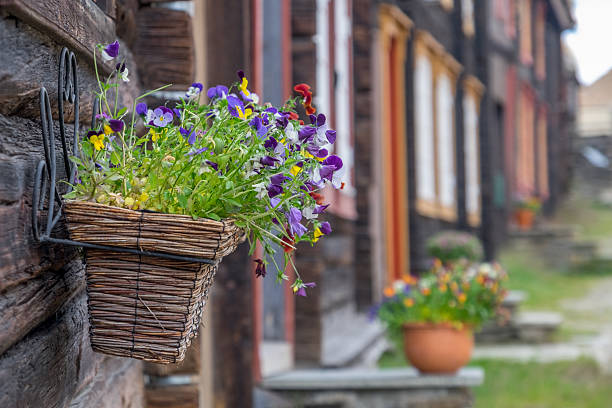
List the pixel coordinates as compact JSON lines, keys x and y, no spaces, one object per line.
{"x":435,"y":316}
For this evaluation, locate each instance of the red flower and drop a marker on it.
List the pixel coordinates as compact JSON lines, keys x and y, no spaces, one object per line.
{"x":293,"y":116}
{"x":317,"y":197}
{"x":288,"y":243}
{"x":304,"y":90}
{"x":260,"y":271}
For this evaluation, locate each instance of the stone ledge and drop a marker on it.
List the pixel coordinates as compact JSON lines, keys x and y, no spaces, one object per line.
{"x":364,"y":379}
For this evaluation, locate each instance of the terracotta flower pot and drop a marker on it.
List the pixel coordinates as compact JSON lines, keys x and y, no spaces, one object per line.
{"x":524,"y":218}
{"x":437,"y":348}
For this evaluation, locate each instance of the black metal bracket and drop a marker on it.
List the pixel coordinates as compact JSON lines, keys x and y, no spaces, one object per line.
{"x":46,"y":195}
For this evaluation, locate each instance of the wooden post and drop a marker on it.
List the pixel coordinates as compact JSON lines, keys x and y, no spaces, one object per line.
{"x":228,"y":28}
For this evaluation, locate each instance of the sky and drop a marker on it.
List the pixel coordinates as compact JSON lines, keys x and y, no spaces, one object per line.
{"x":591,"y":40}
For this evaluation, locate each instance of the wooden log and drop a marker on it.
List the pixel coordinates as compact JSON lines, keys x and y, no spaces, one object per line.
{"x":164,"y":48}
{"x":176,"y":396}
{"x":79,"y":24}
{"x":25,"y":306}
{"x":54,"y":366}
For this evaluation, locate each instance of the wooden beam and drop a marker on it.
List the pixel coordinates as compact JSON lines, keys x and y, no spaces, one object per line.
{"x":164,"y":48}
{"x":77,"y":24}
{"x":54,"y":366}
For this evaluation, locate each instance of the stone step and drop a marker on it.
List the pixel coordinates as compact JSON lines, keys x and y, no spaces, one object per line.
{"x":397,"y":387}
{"x":366,"y":378}
{"x":347,"y":342}
{"x":537,"y":326}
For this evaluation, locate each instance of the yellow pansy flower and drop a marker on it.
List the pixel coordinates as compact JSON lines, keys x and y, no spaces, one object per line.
{"x":107,"y":130}
{"x":97,"y":141}
{"x":245,"y":114}
{"x":462,"y":298}
{"x":129,"y":201}
{"x":155,"y":135}
{"x":295,"y":170}
{"x":144,"y":197}
{"x":243,"y":86}
{"x":317,"y":234}
{"x":409,"y":302}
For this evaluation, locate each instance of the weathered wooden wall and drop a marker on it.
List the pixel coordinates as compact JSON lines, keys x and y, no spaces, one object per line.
{"x":45,"y":356}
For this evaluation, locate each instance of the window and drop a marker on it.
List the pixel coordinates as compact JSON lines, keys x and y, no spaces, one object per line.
{"x":472,"y":92}
{"x":467,"y":17}
{"x":445,"y":145}
{"x":425,"y":161}
{"x":435,"y":74}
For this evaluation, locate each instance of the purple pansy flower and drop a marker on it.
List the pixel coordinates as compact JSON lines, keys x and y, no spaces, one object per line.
{"x":279,"y":179}
{"x":103,"y":115}
{"x":319,"y":209}
{"x":122,"y":71}
{"x":274,"y":201}
{"x":333,"y":160}
{"x":190,"y":135}
{"x":302,"y":289}
{"x":141,"y":108}
{"x":197,"y":151}
{"x":194,"y":90}
{"x":268,"y":161}
{"x":233,"y":103}
{"x":306,"y":133}
{"x":294,"y":217}
{"x":257,"y":124}
{"x":111,"y":51}
{"x":331,"y":136}
{"x":177,"y":112}
{"x":213,"y":165}
{"x":325,"y":228}
{"x":218,"y":91}
{"x":116,"y":125}
{"x":162,"y":116}
{"x":270,"y":143}
{"x":274,"y":190}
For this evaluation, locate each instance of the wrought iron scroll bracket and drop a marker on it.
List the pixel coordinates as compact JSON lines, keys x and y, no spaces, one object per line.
{"x":46,"y":198}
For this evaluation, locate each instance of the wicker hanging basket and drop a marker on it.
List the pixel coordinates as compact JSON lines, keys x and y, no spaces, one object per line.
{"x":141,"y":306}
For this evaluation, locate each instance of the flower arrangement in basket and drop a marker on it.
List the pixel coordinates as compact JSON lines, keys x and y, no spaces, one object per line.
{"x":190,"y":182}
{"x":436,"y":314}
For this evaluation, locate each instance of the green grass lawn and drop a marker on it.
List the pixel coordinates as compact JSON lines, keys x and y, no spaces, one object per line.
{"x":577,"y":384}
{"x":545,"y":286}
{"x":593,"y":219}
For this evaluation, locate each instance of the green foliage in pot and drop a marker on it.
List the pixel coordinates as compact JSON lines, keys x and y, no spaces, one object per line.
{"x":450,"y":246}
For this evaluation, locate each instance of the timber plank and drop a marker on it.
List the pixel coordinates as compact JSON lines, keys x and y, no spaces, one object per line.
{"x":79,"y":24}
{"x":176,"y":396}
{"x":25,"y":306}
{"x":54,"y":366}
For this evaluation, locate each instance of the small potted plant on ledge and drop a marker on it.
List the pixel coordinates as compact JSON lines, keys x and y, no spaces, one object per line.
{"x":435,"y":315}
{"x":451,"y":246}
{"x":525,"y":211}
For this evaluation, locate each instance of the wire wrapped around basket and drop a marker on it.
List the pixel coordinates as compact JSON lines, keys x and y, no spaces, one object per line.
{"x":141,"y":306}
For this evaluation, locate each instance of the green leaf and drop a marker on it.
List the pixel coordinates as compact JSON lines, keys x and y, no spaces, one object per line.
{"x":115,"y":158}
{"x":214,"y":216}
{"x":121,"y":112}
